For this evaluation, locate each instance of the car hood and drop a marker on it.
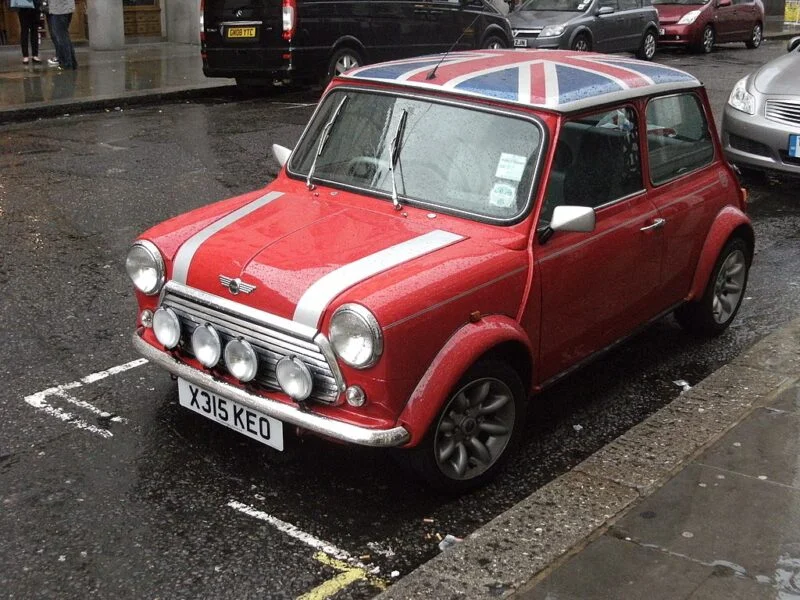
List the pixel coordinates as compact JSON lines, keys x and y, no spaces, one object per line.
{"x":672,"y":13}
{"x":779,"y":76}
{"x":299,"y":254}
{"x":539,"y":18}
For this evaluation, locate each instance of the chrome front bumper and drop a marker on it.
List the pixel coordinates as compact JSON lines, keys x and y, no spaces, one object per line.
{"x":345,"y":432}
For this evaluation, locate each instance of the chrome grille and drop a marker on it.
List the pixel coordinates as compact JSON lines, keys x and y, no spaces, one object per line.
{"x":783,"y":111}
{"x":195,"y":308}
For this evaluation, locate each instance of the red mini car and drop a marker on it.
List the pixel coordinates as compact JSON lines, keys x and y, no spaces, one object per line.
{"x":450,"y":235}
{"x":699,"y":24}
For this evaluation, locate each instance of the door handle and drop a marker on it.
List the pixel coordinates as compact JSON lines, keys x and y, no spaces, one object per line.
{"x":657,"y":224}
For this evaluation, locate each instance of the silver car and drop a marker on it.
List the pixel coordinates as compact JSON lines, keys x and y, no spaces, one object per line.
{"x":597,"y":25}
{"x":761,"y":122}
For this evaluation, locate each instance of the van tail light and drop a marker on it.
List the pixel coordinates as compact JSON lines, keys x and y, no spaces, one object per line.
{"x":202,"y":21}
{"x":289,"y":18}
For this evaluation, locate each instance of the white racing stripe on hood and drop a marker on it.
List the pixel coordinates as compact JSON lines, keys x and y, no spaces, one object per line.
{"x":316,"y":298}
{"x":183,"y":259}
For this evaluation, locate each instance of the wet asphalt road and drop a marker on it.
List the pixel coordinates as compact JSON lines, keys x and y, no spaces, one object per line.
{"x":146,"y":512}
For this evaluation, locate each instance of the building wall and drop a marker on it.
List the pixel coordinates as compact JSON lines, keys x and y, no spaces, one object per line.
{"x":182,"y":21}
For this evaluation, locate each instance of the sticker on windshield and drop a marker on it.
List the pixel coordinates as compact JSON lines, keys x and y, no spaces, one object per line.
{"x":583,"y":5}
{"x":503,"y":195}
{"x":510,"y":166}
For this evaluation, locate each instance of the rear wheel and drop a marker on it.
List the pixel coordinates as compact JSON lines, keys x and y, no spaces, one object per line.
{"x":581,"y":43}
{"x":755,"y":37}
{"x":343,"y":60}
{"x":714,"y":312}
{"x":648,"y":48}
{"x":475,"y":432}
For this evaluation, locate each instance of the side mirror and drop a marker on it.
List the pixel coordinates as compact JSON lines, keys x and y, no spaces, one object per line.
{"x":723,"y":3}
{"x":573,"y":218}
{"x":605,"y":10}
{"x":793,"y":44}
{"x":281,"y":153}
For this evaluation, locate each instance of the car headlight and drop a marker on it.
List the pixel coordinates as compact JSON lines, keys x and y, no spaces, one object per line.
{"x":167,"y":327}
{"x":689,"y":18}
{"x":294,"y":377}
{"x":551,"y":31}
{"x":145,"y":267}
{"x":206,"y":345}
{"x":356,"y":336}
{"x":741,"y":99}
{"x":241,"y":360}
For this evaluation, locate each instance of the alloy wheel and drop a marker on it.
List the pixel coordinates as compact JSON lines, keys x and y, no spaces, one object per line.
{"x":729,"y":286}
{"x":708,"y":39}
{"x":755,"y":39}
{"x":649,"y":46}
{"x":345,"y":63}
{"x":474,"y":429}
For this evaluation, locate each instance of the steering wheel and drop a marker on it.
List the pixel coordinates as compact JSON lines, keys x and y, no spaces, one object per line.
{"x":364,"y":167}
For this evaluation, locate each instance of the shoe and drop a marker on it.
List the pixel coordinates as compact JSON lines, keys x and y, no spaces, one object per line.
{"x":24,"y":60}
{"x":52,"y":62}
{"x":36,"y":59}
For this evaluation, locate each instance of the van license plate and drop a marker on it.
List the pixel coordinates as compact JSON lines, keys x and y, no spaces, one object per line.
{"x":794,"y":145}
{"x":241,"y":32}
{"x":240,"y":418}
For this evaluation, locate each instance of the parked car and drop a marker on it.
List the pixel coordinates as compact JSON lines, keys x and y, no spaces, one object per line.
{"x":583,"y":25}
{"x":699,"y":24}
{"x":761,"y":121}
{"x":449,"y":236}
{"x":311,"y":40}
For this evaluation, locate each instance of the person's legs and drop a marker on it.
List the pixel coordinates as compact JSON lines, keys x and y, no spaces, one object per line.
{"x":33,"y":23}
{"x":52,"y":23}
{"x":59,"y":24}
{"x":69,"y":49}
{"x":23,"y":33}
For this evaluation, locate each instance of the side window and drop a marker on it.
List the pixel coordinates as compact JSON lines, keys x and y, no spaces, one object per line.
{"x":611,"y":3}
{"x":678,"y":139}
{"x":628,"y":4}
{"x":596,"y":161}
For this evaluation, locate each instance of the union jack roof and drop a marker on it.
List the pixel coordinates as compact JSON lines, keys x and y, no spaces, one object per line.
{"x":556,"y":79}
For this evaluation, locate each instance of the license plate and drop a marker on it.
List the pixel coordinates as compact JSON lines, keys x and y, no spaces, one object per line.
{"x":241,"y":32}
{"x":794,"y":145}
{"x":518,"y":43}
{"x":245,"y":420}
{"x":661,"y":31}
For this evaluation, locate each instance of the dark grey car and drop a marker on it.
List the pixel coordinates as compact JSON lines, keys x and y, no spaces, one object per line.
{"x":597,"y":25}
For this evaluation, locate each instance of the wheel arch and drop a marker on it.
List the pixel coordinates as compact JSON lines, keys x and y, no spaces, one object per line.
{"x":581,"y":30}
{"x":495,"y":336}
{"x":348,"y":41}
{"x":495,"y":30}
{"x":730,"y":222}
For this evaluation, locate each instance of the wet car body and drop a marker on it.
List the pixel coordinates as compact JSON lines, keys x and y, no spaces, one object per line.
{"x":596,"y":25}
{"x":761,"y":121}
{"x":698,"y":24}
{"x":450,"y":235}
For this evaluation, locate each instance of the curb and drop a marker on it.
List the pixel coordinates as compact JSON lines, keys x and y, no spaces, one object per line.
{"x":58,"y":108}
{"x":516,"y":549}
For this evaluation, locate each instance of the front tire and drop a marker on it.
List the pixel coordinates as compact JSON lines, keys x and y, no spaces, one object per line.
{"x":494,"y":42}
{"x":343,"y":60}
{"x":756,"y":36}
{"x":647,"y":50}
{"x":713,"y":313}
{"x":581,"y":43}
{"x":475,"y":432}
{"x":707,"y":40}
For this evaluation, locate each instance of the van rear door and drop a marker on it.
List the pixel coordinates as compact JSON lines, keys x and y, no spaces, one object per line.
{"x":243,"y":36}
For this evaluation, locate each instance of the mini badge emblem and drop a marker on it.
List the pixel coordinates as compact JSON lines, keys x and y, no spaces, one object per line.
{"x":236,"y":285}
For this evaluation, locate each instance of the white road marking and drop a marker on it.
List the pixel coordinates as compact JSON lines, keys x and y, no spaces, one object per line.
{"x":306,"y":538}
{"x":39,"y":399}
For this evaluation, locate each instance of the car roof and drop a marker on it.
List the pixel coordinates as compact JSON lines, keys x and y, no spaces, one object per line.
{"x":559,"y":80}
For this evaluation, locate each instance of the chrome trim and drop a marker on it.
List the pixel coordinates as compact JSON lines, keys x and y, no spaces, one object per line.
{"x":316,"y":298}
{"x":183,"y":258}
{"x":345,"y":432}
{"x":783,"y":111}
{"x":235,"y":285}
{"x":517,"y":112}
{"x":240,"y":23}
{"x":327,"y":351}
{"x":374,"y":327}
{"x":156,"y":254}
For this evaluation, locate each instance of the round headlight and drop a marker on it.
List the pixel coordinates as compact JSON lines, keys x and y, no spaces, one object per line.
{"x":206,"y":345}
{"x":294,"y":377}
{"x":167,"y":327}
{"x":145,"y":267}
{"x":356,"y":336}
{"x":241,"y":360}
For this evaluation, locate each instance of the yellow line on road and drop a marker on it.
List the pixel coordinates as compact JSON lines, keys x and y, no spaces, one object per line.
{"x":348,"y":574}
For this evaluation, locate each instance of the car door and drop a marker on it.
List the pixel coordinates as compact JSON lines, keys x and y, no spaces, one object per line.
{"x":725,"y":20}
{"x":745,"y":18}
{"x":597,"y":287}
{"x":632,"y":24}
{"x":607,"y":29}
{"x":679,"y":151}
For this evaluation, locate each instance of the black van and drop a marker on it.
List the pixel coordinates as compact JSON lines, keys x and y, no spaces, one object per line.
{"x":266,"y":41}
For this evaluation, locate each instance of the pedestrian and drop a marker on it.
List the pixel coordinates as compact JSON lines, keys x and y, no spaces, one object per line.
{"x":59,"y":17}
{"x":28,"y":28}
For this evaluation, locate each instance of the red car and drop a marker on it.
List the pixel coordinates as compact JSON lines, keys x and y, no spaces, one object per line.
{"x":699,"y":24}
{"x":450,"y":235}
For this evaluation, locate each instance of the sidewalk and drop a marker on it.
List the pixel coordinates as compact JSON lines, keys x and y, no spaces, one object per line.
{"x":139,"y":72}
{"x":701,"y":501}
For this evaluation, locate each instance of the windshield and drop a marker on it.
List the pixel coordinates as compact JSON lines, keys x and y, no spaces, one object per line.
{"x":450,"y":157}
{"x":682,"y":2}
{"x":558,"y":5}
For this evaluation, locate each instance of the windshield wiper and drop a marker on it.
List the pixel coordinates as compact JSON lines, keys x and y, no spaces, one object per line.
{"x":394,"y":151}
{"x":326,"y":134}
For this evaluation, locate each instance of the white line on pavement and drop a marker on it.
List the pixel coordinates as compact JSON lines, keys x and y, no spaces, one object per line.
{"x":39,"y":399}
